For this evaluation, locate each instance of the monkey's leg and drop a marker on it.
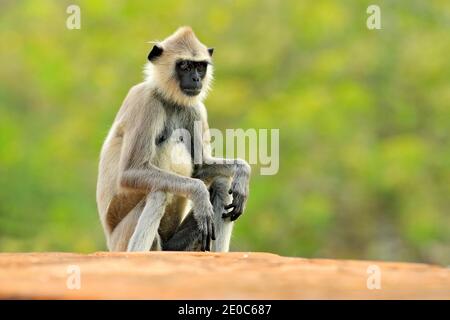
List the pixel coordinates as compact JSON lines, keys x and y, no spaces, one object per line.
{"x":120,"y":236}
{"x":146,"y":230}
{"x":187,"y":237}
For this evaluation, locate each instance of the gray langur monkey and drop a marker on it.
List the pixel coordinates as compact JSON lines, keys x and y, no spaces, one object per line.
{"x":151,"y":194}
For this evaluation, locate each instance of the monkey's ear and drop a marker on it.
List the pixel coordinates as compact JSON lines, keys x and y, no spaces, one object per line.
{"x":210,"y":50}
{"x":155,"y":53}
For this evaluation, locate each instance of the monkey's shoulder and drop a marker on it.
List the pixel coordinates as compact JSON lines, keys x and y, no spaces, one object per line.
{"x":134,"y":99}
{"x":140,"y":108}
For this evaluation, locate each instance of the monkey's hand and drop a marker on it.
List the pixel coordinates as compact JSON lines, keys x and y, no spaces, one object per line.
{"x":239,"y":190}
{"x":203,"y":214}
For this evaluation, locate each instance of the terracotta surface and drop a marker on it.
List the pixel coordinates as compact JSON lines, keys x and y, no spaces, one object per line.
{"x":174,"y":275}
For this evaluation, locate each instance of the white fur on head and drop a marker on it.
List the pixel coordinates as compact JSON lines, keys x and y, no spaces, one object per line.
{"x":160,"y":73}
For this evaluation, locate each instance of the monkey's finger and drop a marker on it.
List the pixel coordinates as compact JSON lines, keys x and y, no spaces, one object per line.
{"x":213,"y":231}
{"x":226,"y":215}
{"x":203,"y":241}
{"x":202,"y":236}
{"x":237,"y":212}
{"x":236,"y":215}
{"x":231,"y":205}
{"x":207,"y":236}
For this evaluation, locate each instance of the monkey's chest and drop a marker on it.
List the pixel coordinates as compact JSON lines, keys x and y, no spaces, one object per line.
{"x":174,"y":151}
{"x":175,"y":143}
{"x":175,"y":157}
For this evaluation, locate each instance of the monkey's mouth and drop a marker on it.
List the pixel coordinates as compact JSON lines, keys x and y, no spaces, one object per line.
{"x":191,"y":91}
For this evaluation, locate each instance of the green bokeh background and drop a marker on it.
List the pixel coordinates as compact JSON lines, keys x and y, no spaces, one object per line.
{"x":364,"y":119}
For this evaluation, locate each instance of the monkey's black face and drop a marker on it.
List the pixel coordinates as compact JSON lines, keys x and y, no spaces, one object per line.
{"x":190,"y":76}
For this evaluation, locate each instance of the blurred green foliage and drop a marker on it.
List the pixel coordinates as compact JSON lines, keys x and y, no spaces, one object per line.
{"x":363,"y":115}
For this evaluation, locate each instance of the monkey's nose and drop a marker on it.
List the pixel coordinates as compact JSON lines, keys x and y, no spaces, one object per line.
{"x":196,"y":79}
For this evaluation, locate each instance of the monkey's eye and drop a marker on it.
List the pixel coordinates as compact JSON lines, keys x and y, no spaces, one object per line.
{"x":201,"y":67}
{"x":184,"y":66}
